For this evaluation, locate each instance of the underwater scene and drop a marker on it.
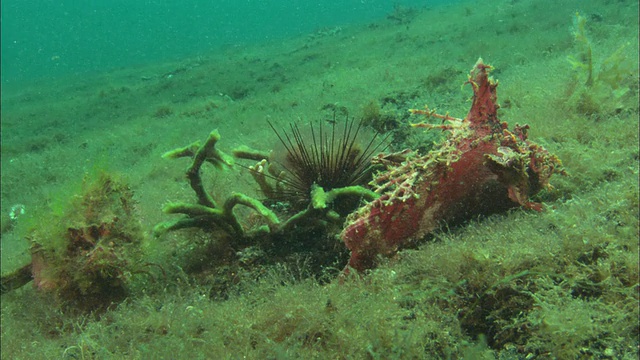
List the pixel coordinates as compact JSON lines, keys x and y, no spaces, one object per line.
{"x":320,"y":180}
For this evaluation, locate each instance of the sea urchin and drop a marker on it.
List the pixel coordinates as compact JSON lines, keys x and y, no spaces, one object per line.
{"x":329,"y":158}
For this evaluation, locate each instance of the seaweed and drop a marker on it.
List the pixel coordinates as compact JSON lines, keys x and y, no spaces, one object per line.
{"x":84,"y":253}
{"x":599,"y":90}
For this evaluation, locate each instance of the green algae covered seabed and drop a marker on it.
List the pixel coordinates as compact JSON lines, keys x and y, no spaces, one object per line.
{"x":561,"y":283}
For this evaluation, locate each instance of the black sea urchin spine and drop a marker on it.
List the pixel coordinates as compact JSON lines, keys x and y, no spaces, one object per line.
{"x":327,"y":160}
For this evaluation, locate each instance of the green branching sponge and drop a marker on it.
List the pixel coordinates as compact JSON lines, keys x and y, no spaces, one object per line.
{"x":200,"y":154}
{"x":279,"y":230}
{"x":208,"y":214}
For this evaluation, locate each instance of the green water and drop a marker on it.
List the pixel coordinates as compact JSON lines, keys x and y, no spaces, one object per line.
{"x":93,"y":88}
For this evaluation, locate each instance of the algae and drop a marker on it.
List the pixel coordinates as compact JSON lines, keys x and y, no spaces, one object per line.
{"x":600,"y":89}
{"x":557,"y":284}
